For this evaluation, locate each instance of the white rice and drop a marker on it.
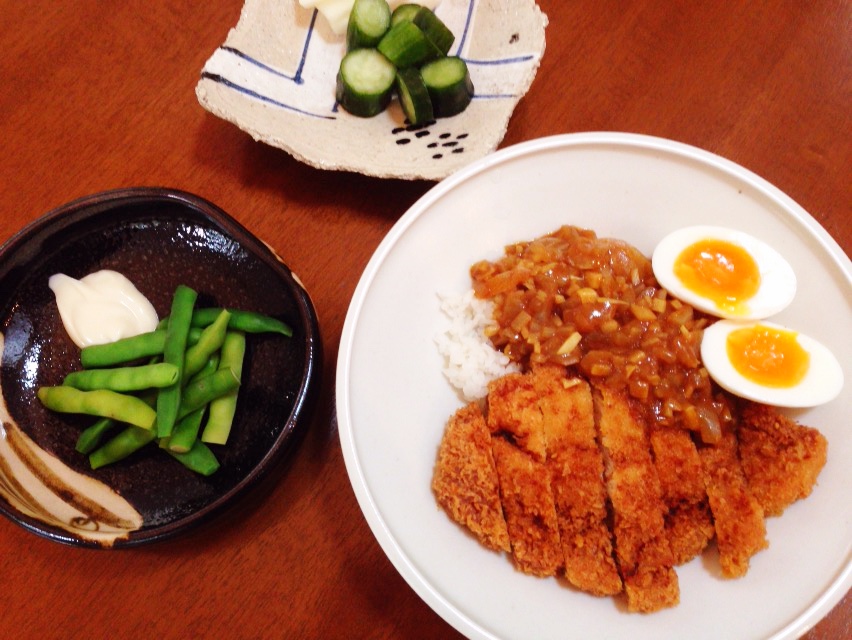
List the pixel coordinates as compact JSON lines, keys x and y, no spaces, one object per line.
{"x":470,"y":361}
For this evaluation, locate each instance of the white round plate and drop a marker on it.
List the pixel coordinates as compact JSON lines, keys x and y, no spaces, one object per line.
{"x":393,"y":400}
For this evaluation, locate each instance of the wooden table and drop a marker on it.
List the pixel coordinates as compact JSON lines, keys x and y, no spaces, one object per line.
{"x":97,"y":95}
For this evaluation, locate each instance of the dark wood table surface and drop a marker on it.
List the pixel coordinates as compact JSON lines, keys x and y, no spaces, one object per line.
{"x":100,"y":95}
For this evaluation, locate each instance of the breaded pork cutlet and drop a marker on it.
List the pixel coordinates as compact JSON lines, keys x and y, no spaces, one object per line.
{"x":689,"y":523}
{"x":737,"y":515}
{"x":575,"y":464}
{"x":642,"y":548}
{"x":781,"y":459}
{"x":465,"y":478}
{"x":518,"y":446}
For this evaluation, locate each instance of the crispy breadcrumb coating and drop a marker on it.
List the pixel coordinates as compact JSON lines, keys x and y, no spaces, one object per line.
{"x":641,"y":545}
{"x":576,"y":477}
{"x":465,"y":478}
{"x":781,"y":459}
{"x":738,"y":516}
{"x":689,"y":523}
{"x":518,"y":445}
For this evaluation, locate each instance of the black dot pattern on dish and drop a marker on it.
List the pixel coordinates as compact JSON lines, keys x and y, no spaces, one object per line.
{"x":434,"y":135}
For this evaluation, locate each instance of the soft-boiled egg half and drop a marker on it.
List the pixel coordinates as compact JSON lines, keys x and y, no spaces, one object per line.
{"x":769,"y":363}
{"x":724,"y":272}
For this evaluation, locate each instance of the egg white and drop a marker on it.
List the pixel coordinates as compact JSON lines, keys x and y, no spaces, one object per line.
{"x":777,"y":278}
{"x":822,"y":382}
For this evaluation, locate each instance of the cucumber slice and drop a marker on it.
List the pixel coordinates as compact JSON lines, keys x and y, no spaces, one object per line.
{"x":435,"y":29}
{"x":369,"y":20}
{"x":405,"y":45}
{"x":405,"y":13}
{"x":365,"y":82}
{"x":413,"y":96}
{"x":449,"y":85}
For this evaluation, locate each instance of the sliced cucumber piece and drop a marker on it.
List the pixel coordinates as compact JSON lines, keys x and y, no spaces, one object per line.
{"x":365,"y":82}
{"x":369,"y":20}
{"x":405,"y":45}
{"x":413,"y":96}
{"x":435,"y":29}
{"x":405,"y":13}
{"x":449,"y":85}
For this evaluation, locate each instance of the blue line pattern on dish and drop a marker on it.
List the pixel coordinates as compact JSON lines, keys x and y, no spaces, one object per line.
{"x":254,"y":94}
{"x":298,"y":79}
{"x":466,"y":29}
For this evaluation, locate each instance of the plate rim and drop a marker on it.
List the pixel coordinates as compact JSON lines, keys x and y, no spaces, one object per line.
{"x":839,"y":584}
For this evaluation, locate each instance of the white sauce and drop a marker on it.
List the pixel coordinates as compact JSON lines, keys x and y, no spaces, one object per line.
{"x":101,"y":307}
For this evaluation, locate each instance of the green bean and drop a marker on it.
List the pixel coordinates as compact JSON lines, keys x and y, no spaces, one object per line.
{"x":129,"y":349}
{"x":174,"y":351}
{"x":124,"y":350}
{"x":122,"y":445}
{"x":208,"y":343}
{"x":101,"y":402}
{"x":209,"y":367}
{"x":222,"y":409}
{"x":247,"y":321}
{"x":185,"y":432}
{"x":200,"y":392}
{"x":90,"y":437}
{"x":199,"y":459}
{"x":144,"y":376}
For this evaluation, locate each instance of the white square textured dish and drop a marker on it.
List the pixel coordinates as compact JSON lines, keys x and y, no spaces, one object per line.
{"x":393,"y":401}
{"x":274,"y":77}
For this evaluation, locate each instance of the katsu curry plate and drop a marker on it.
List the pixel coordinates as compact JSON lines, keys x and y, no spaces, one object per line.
{"x":588,"y":389}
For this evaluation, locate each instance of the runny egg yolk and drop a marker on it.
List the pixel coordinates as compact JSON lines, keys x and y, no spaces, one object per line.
{"x":768,"y":356}
{"x":720,"y":271}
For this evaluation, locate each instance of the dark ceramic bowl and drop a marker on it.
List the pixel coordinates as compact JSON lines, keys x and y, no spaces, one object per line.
{"x":158,"y":238}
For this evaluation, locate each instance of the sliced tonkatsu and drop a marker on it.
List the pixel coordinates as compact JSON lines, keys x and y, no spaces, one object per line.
{"x":575,"y":464}
{"x":781,"y":459}
{"x":465,"y":478}
{"x":688,"y":520}
{"x":572,"y":480}
{"x":641,"y":544}
{"x":518,"y":445}
{"x":737,"y":515}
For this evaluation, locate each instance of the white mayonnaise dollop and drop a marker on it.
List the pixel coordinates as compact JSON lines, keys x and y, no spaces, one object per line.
{"x":101,"y":307}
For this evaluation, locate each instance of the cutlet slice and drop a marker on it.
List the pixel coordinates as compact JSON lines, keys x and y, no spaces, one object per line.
{"x":737,"y":515}
{"x":689,"y":523}
{"x":641,"y":545}
{"x":518,"y":446}
{"x":575,"y":464}
{"x":465,"y":478}
{"x":781,"y":459}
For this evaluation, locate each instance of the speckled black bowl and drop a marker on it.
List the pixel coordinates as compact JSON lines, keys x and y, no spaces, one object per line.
{"x":158,"y":238}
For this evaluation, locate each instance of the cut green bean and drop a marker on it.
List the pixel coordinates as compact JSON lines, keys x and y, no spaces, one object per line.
{"x":174,"y":351}
{"x":208,"y":343}
{"x":247,"y":321}
{"x":200,"y":392}
{"x":146,"y":376}
{"x":90,"y":437}
{"x":101,"y":402}
{"x":222,"y":409}
{"x":209,"y":367}
{"x":121,"y":351}
{"x":199,"y":459}
{"x":185,"y":432}
{"x":121,"y":445}
{"x":127,"y":350}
